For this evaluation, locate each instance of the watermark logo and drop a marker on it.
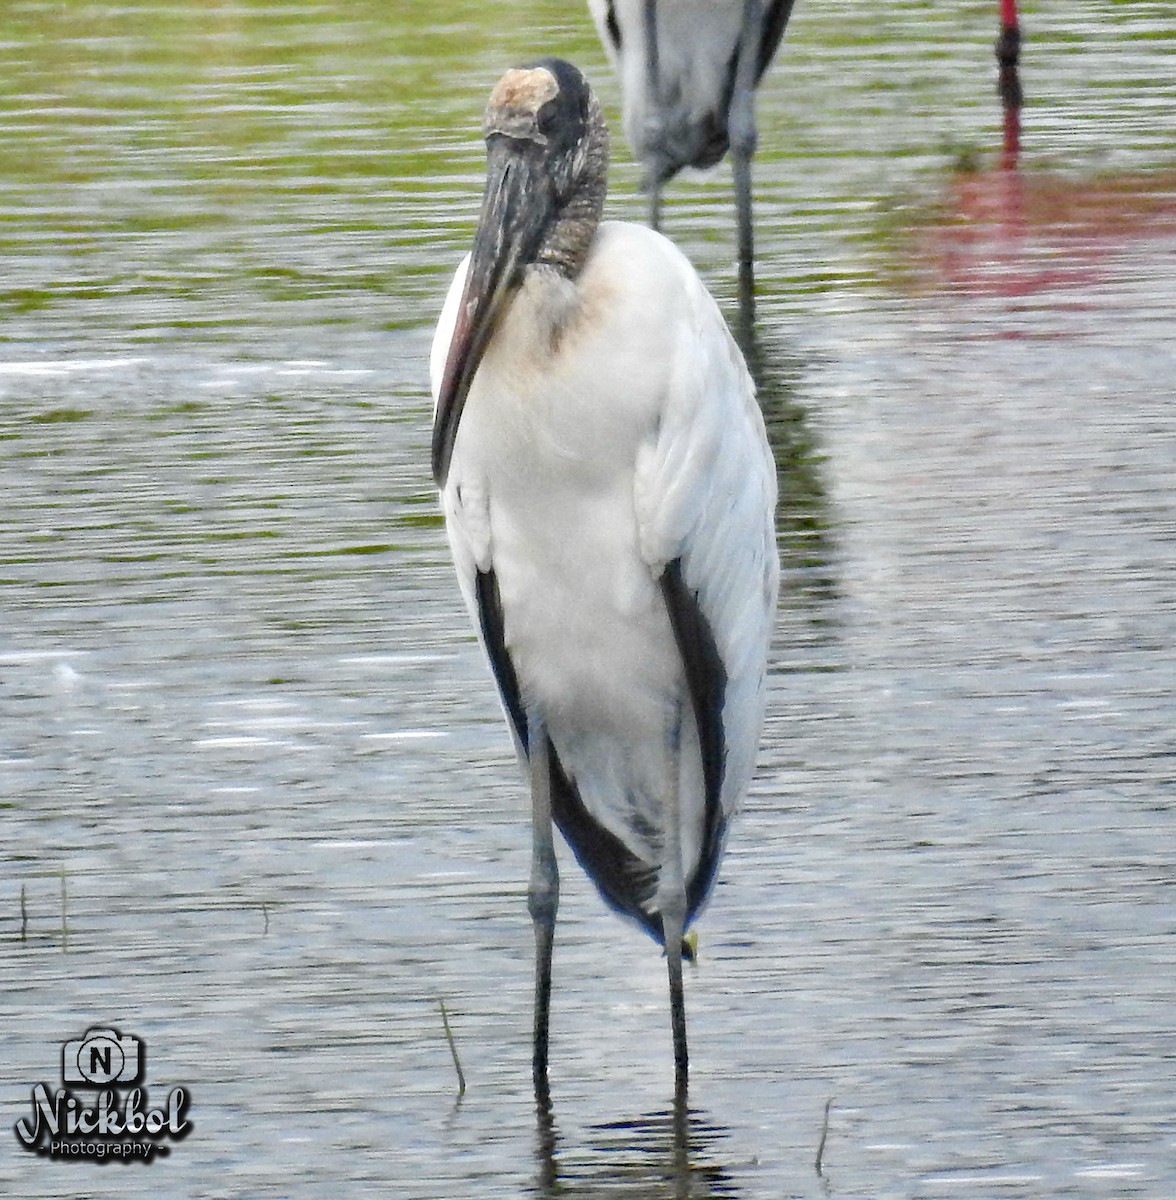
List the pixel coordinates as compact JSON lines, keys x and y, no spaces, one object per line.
{"x":106,"y":1121}
{"x":103,"y":1056}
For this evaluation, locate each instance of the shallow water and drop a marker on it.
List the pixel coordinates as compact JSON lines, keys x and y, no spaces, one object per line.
{"x":258,"y":802}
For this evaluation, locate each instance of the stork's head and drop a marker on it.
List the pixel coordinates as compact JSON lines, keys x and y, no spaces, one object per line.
{"x":546,"y":166}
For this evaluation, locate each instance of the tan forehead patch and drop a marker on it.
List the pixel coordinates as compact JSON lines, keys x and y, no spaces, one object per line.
{"x":524,"y":89}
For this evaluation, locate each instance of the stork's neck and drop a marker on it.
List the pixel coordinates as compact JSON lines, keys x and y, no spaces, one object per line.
{"x":568,"y":239}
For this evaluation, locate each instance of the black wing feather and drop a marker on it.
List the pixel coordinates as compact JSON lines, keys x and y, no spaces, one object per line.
{"x":706,"y":679}
{"x":775,"y":22}
{"x":494,"y":639}
{"x":613,"y":28}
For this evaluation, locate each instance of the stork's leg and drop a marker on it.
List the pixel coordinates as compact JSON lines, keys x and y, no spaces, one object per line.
{"x":543,"y":890}
{"x":654,"y":132}
{"x":742,"y":165}
{"x":741,"y":131}
{"x":671,"y":902}
{"x":673,"y":924}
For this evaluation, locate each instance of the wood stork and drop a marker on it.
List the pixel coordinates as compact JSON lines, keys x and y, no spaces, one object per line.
{"x":689,"y":70}
{"x":609,"y":498}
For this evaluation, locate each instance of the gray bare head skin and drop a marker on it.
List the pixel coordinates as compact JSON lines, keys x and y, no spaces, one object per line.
{"x":546,"y":119}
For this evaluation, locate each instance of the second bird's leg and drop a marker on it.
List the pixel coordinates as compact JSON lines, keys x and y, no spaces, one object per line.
{"x":654,"y":131}
{"x":542,"y":891}
{"x":655,"y":206}
{"x":741,"y":131}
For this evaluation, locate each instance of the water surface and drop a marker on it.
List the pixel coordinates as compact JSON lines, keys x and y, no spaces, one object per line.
{"x":258,"y":802}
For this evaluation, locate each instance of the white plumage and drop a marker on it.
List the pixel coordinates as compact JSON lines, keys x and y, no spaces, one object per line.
{"x":584,"y":464}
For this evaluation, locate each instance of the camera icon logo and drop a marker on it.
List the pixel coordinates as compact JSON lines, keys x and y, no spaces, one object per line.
{"x":103,"y":1056}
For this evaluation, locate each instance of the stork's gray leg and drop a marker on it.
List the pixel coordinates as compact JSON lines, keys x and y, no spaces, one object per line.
{"x":673,"y":924}
{"x":742,"y":167}
{"x":543,"y":890}
{"x":654,"y":132}
{"x":671,"y":902}
{"x":741,"y":131}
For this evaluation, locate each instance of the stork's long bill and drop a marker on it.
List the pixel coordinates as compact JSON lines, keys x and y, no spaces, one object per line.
{"x":532,"y":142}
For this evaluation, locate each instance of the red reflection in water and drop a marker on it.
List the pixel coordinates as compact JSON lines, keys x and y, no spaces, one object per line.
{"x":1013,"y":233}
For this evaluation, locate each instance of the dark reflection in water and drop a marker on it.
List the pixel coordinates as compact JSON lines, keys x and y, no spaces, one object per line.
{"x":803,"y":517}
{"x":671,"y":1154}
